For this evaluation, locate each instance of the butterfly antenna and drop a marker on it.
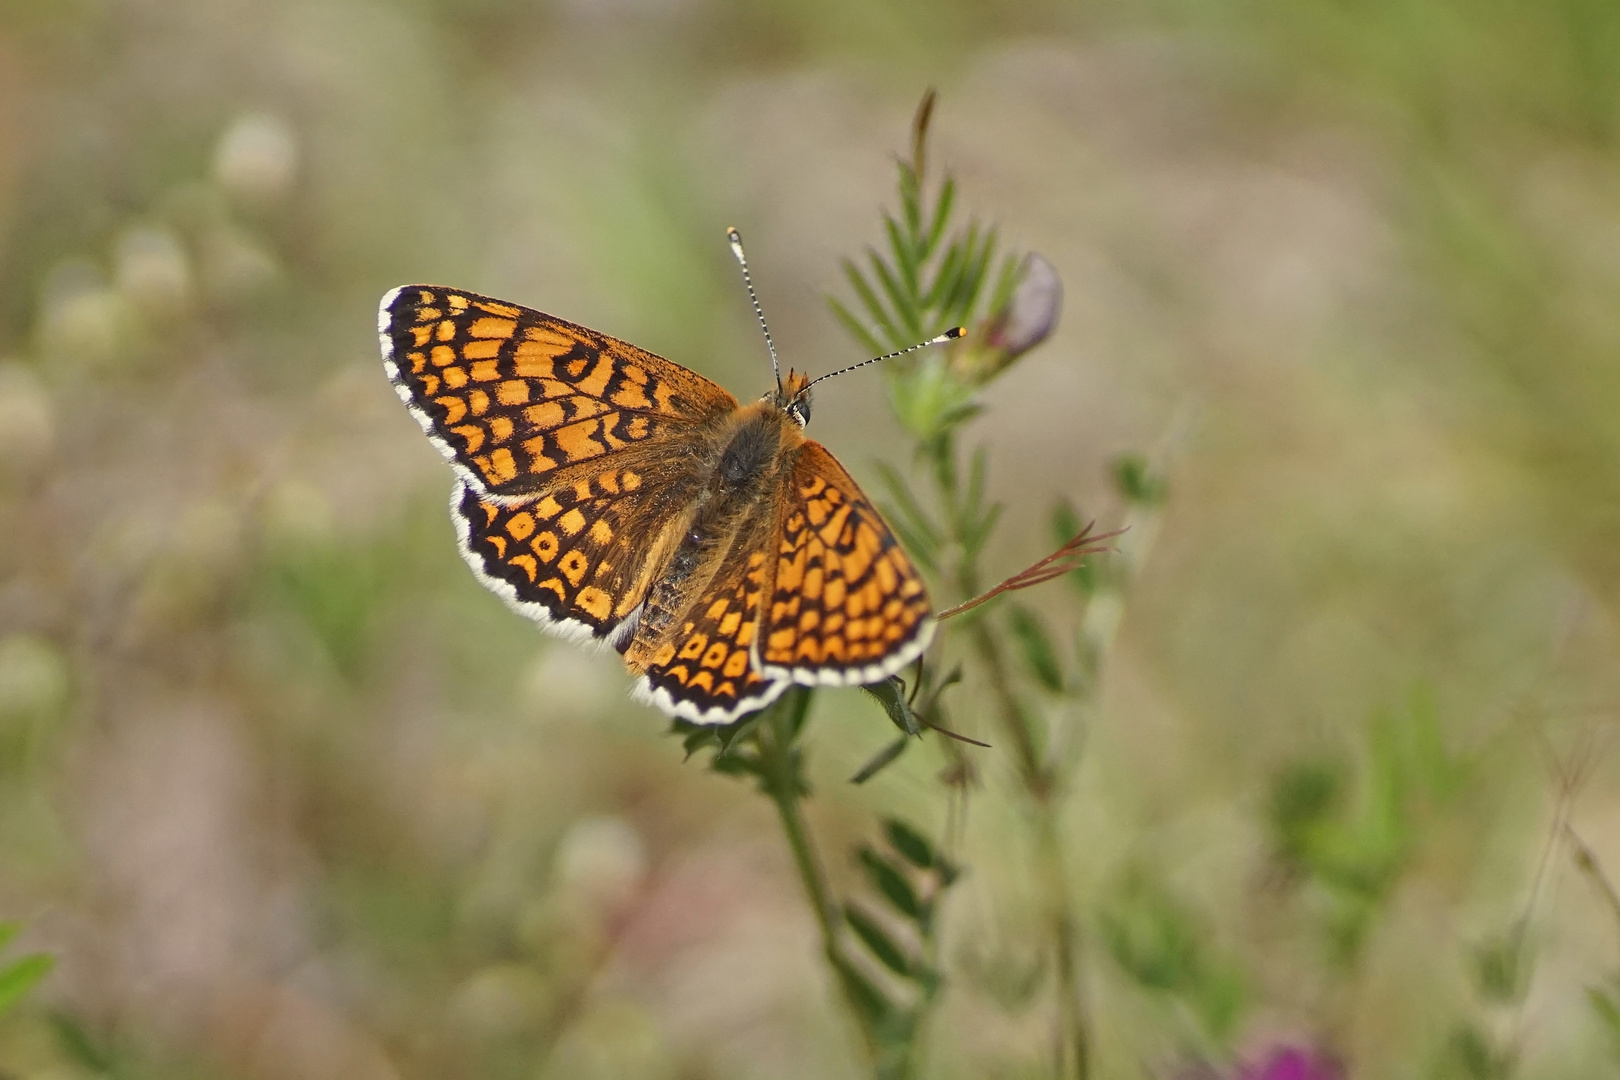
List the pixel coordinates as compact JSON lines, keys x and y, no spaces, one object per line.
{"x":736,"y":249}
{"x":950,"y":335}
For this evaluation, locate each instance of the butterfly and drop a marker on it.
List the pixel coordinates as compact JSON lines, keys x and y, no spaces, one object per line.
{"x":613,"y":496}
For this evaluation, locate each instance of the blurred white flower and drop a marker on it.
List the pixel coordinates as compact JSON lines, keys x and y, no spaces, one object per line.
{"x":257,"y":159}
{"x":297,"y":512}
{"x":81,"y":318}
{"x":153,"y":272}
{"x":27,"y":418}
{"x":614,"y":1040}
{"x":602,"y":860}
{"x":565,"y":683}
{"x":34,"y":680}
{"x":501,"y":999}
{"x":234,"y":266}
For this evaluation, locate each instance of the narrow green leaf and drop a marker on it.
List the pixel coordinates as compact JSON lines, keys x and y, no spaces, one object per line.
{"x":867,"y":929}
{"x":731,"y":735}
{"x":881,"y":760}
{"x":909,"y":843}
{"x":904,"y":308}
{"x":795,"y":707}
{"x":78,"y":1045}
{"x":1066,"y":523}
{"x":701,"y":739}
{"x":870,"y":1003}
{"x":853,"y":325}
{"x":900,"y":491}
{"x":8,"y":930}
{"x":942,"y":215}
{"x":874,"y":307}
{"x":735,"y":763}
{"x":1007,"y":280}
{"x":18,"y":978}
{"x":1136,"y":482}
{"x":891,"y":694}
{"x":1604,"y":1005}
{"x":915,"y":544}
{"x":904,"y":256}
{"x":919,"y":535}
{"x":1039,"y":655}
{"x":934,"y":690}
{"x":977,"y":533}
{"x":973,"y":280}
{"x":887,"y":879}
{"x":951,"y":302}
{"x":910,"y":199}
{"x":945,"y":275}
{"x":978,"y":472}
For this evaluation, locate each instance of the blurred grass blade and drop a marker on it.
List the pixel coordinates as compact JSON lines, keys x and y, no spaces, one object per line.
{"x":1039,"y":656}
{"x":905,"y":307}
{"x":945,"y":275}
{"x":942,"y":215}
{"x":870,"y":1003}
{"x":904,"y":257}
{"x":913,"y":846}
{"x":874,"y":307}
{"x":881,"y":760}
{"x":887,"y":879}
{"x":853,"y":325}
{"x":19,"y":977}
{"x":78,"y":1046}
{"x":867,"y":929}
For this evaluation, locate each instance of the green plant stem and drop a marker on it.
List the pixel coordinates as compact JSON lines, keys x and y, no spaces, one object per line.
{"x":1074,"y":1043}
{"x":1074,"y":1048}
{"x":780,"y":770}
{"x":774,"y":755}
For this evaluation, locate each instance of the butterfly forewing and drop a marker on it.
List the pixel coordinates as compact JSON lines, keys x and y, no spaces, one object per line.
{"x":511,"y":395}
{"x":846,"y":605}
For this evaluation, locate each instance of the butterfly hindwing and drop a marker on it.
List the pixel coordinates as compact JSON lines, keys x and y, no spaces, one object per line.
{"x":511,"y":395}
{"x":705,"y":671}
{"x":578,"y":556}
{"x":846,"y":605}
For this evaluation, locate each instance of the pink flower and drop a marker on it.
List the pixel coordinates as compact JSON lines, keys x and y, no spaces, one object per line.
{"x":1294,"y":1063}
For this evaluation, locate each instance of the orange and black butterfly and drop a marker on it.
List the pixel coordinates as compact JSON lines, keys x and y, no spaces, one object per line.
{"x":611,"y":495}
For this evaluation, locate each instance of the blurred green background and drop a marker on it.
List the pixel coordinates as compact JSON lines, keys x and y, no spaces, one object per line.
{"x":287,"y":794}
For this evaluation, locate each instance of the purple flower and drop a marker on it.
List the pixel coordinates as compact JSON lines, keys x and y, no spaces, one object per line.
{"x":1294,"y":1063}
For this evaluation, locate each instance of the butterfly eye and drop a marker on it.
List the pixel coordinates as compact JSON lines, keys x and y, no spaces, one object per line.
{"x":799,"y":409}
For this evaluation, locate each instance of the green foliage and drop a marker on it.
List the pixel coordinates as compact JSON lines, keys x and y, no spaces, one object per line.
{"x":1156,"y":940}
{"x":1137,"y":483}
{"x":1354,"y":841}
{"x":920,"y":286}
{"x":897,"y":928}
{"x":1502,"y":967}
{"x":21,"y":975}
{"x":899,"y":931}
{"x":1470,"y":1055}
{"x":1039,"y":654}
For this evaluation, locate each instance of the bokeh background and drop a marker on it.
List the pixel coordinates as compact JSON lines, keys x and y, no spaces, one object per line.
{"x":287,"y":794}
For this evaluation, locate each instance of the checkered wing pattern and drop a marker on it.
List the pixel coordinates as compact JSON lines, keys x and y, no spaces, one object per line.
{"x":579,"y":556}
{"x":510,"y":395}
{"x":846,"y":606}
{"x":706,"y":673}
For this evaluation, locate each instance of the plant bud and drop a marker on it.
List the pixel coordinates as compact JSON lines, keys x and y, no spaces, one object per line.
{"x":1026,"y":320}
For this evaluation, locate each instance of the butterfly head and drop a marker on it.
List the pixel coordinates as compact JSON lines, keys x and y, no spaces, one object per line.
{"x":793,"y":397}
